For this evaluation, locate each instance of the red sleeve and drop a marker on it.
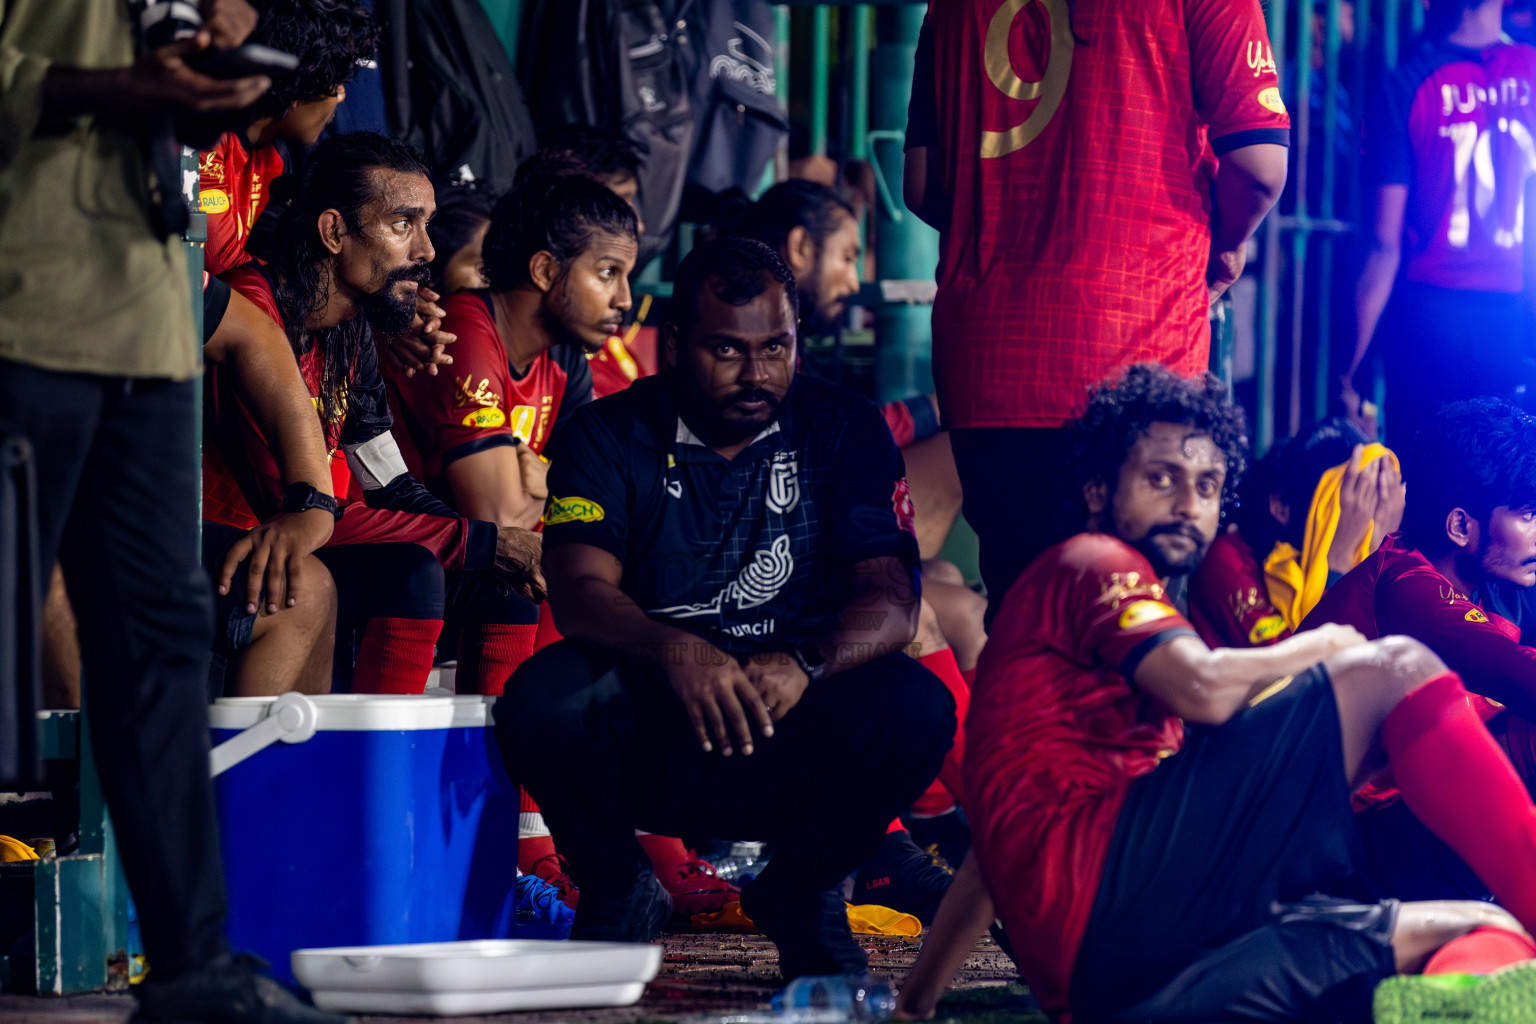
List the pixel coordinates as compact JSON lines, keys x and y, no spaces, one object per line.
{"x":225,"y":247}
{"x":1229,"y":601}
{"x":1237,"y":92}
{"x":252,"y":284}
{"x":899,"y":418}
{"x":1115,"y":606}
{"x":464,"y":410}
{"x":1421,"y":603}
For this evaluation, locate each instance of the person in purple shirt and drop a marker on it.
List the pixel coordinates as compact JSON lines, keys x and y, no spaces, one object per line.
{"x":1449,"y":145}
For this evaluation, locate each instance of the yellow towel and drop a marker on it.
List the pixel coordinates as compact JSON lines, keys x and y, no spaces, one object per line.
{"x":1296,"y":581}
{"x":865,"y":919}
{"x":14,"y":850}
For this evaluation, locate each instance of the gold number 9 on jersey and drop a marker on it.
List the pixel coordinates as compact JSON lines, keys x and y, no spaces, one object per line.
{"x":1049,"y":89}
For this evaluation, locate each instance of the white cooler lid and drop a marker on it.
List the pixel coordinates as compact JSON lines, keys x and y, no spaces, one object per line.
{"x":363,"y":712}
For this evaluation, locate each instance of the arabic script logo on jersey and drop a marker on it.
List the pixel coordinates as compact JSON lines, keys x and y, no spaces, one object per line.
{"x":783,"y":483}
{"x":758,"y":582}
{"x":1261,"y":58}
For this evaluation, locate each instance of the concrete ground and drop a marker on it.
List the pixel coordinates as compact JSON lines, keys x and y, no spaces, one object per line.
{"x":703,"y":978}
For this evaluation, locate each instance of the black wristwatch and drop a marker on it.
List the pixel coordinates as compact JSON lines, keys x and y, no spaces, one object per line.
{"x":303,"y":497}
{"x":811,"y":660}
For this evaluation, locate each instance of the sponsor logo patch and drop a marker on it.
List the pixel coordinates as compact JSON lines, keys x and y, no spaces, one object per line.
{"x":1476,"y":615}
{"x":1140,"y":613}
{"x":1270,"y":100}
{"x":213,"y":200}
{"x":572,"y":510}
{"x":523,"y":418}
{"x":485,"y":418}
{"x":1267,"y":628}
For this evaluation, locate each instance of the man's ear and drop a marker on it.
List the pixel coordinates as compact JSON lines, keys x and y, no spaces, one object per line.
{"x":800,"y":252}
{"x":332,"y":230}
{"x":1460,"y":528}
{"x":669,"y":343}
{"x":1279,"y":510}
{"x":543,"y":269}
{"x":1096,"y":497}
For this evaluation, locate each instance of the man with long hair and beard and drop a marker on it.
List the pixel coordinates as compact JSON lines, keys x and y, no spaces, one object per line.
{"x":351,"y":252}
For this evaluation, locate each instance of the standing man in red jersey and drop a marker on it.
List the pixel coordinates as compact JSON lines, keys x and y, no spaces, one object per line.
{"x":1095,"y":169}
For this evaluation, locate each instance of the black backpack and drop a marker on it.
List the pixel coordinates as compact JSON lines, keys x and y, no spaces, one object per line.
{"x":450,"y":91}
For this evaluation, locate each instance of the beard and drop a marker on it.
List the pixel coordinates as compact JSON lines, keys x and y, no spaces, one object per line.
{"x":558,"y":314}
{"x":1163,"y":562}
{"x":813,"y":319}
{"x":388,"y":315}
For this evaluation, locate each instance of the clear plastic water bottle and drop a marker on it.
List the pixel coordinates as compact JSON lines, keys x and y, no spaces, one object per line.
{"x":835,"y":999}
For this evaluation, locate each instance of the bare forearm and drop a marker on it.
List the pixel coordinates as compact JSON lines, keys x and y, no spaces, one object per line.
{"x":1241,"y":202}
{"x":1371,"y":295}
{"x":963,"y":918}
{"x":1244,"y":672}
{"x":599,"y":612}
{"x":880,"y":619}
{"x":269,"y":383}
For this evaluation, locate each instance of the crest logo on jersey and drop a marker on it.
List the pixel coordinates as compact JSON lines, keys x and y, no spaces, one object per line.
{"x":901,"y":504}
{"x":783,"y":483}
{"x":1267,"y":628}
{"x":522,"y":419}
{"x":1270,"y":99}
{"x":1476,"y":615}
{"x":213,"y":201}
{"x":485,"y":418}
{"x":572,"y":510}
{"x":1140,"y":613}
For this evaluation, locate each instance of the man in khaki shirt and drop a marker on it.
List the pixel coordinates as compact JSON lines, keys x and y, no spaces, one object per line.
{"x":97,"y":363}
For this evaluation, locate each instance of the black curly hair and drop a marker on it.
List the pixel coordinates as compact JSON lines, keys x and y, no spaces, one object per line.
{"x":1290,"y":471}
{"x":558,"y":215}
{"x":584,"y":150}
{"x":796,"y":203}
{"x":1122,"y":409}
{"x":736,"y":270}
{"x":328,"y":36}
{"x":1477,"y":455}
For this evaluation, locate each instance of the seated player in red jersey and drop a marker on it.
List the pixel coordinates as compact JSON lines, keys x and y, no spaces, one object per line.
{"x":1153,"y":818}
{"x":557,"y":257}
{"x":1253,"y":576}
{"x":1469,"y":531}
{"x":329,"y":37}
{"x":351,"y":251}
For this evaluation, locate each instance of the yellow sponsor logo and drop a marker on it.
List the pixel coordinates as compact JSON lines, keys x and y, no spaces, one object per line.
{"x":1139,"y":613}
{"x":213,"y":200}
{"x":572,"y":510}
{"x":1267,"y":628}
{"x":1476,"y":615}
{"x":1270,"y":100}
{"x":485,"y":418}
{"x":523,"y":419}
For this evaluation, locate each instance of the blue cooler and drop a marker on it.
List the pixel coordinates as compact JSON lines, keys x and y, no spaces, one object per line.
{"x":358,"y":820}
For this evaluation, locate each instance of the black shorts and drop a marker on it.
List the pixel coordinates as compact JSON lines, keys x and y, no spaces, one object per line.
{"x":1207,"y":907}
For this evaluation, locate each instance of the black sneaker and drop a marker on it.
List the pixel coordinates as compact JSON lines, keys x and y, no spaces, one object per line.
{"x":903,"y":878}
{"x":810,"y":929}
{"x":228,"y":991}
{"x":636,"y":915}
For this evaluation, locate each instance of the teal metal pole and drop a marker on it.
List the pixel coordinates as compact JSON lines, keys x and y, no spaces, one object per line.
{"x":1391,"y":19}
{"x":905,"y":248}
{"x":780,"y":162}
{"x":821,"y":59}
{"x":1323,"y":388}
{"x":1269,"y":288}
{"x":858,"y":84}
{"x":1301,"y":118}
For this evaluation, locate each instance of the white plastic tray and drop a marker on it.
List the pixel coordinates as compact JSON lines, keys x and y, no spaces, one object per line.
{"x":484,"y":976}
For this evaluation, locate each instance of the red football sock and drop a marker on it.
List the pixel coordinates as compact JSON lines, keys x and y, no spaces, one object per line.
{"x":1481,"y":951}
{"x":667,"y":855}
{"x":395,"y":655}
{"x":489,"y":653}
{"x":942,"y":664}
{"x":969,"y":675}
{"x":1454,"y":777}
{"x":534,"y":842}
